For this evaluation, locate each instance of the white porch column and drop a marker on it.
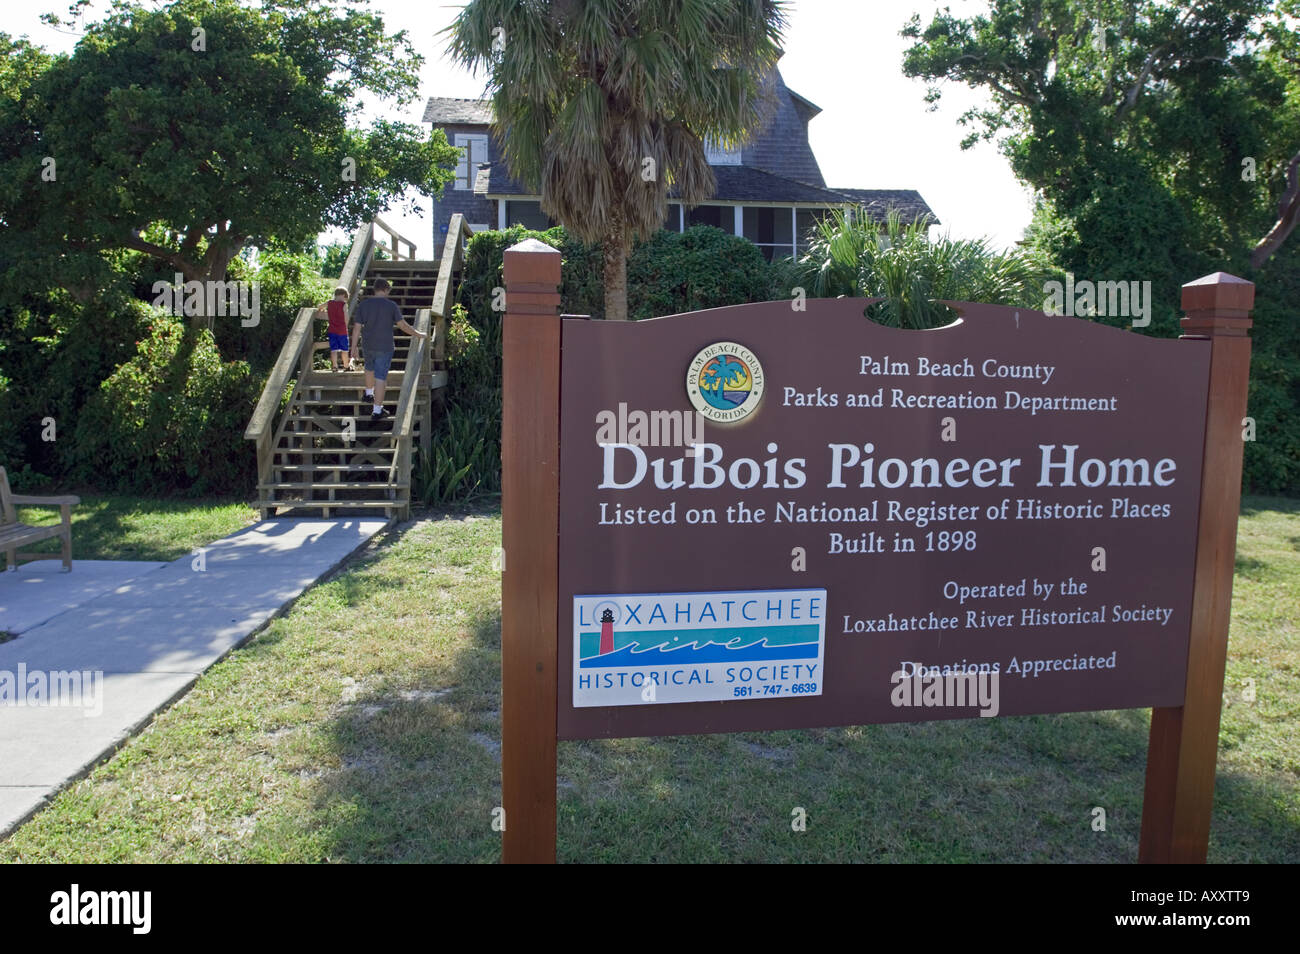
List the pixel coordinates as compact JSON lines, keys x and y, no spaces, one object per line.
{"x":740,"y":221}
{"x":794,"y":232}
{"x":501,"y":214}
{"x":681,"y":216}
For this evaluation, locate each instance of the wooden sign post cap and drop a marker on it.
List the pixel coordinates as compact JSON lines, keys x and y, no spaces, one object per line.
{"x":1218,"y":304}
{"x":532,"y":263}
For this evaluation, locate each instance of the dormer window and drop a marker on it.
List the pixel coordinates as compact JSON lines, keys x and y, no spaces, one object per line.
{"x":718,"y":156}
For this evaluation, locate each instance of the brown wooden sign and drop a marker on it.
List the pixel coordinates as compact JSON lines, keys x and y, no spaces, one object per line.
{"x":758,"y":517}
{"x":1050,"y":538}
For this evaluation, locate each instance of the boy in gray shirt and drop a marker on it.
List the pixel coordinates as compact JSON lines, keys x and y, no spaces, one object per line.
{"x":372,"y":328}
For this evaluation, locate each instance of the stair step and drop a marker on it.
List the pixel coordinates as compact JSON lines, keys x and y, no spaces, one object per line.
{"x":332,"y":504}
{"x":350,"y":485}
{"x":342,"y":468}
{"x":327,"y":402}
{"x":339,"y":380}
{"x":359,"y":451}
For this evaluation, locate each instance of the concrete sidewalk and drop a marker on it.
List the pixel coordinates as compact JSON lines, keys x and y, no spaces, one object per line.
{"x":150,"y":629}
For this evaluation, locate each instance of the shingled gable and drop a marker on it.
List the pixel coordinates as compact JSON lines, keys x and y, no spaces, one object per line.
{"x":775,"y":173}
{"x":445,"y":111}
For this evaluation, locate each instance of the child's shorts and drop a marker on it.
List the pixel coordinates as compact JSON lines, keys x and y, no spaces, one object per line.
{"x":378,"y":363}
{"x":338,"y":342}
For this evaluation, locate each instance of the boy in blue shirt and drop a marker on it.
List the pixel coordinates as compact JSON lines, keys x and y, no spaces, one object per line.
{"x":372,"y":328}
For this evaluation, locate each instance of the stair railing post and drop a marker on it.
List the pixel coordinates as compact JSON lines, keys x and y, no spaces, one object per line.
{"x":530,"y":505}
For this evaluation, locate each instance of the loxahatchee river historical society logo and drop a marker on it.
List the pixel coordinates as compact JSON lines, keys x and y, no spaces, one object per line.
{"x":643,"y":648}
{"x":725,"y":382}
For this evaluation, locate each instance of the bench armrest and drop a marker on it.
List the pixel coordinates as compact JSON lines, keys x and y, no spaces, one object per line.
{"x":22,"y":500}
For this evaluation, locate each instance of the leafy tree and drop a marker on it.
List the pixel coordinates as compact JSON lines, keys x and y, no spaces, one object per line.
{"x":1157,"y":137}
{"x":191,"y":131}
{"x":603,"y":105}
{"x":1131,"y":118}
{"x":333,"y":257}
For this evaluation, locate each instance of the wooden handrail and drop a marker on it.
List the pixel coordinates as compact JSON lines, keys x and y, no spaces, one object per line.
{"x":417,"y":359}
{"x":363,"y":250}
{"x":396,"y":240}
{"x":411,"y":383}
{"x":452,"y":256}
{"x":290,"y":358}
{"x":451,"y":260}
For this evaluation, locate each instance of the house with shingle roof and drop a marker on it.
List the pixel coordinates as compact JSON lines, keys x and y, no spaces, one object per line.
{"x":769,"y":190}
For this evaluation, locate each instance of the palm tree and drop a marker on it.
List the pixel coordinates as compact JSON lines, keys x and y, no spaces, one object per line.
{"x":852,"y":254}
{"x":602,"y":105}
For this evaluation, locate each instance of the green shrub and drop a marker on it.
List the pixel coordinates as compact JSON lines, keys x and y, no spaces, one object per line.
{"x":171,"y":419}
{"x":703,"y":267}
{"x":465,"y":457}
{"x":58,"y":352}
{"x":482,"y":273}
{"x":11,"y":445}
{"x":667,"y":274}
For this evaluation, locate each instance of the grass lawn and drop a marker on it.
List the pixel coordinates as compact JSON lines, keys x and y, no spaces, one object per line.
{"x":128,"y":528}
{"x":364,"y":726}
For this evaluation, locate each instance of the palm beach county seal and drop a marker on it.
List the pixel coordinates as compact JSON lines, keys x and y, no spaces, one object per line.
{"x":725,"y":382}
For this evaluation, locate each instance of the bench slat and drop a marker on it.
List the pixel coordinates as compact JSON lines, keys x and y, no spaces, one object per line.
{"x":13,"y":533}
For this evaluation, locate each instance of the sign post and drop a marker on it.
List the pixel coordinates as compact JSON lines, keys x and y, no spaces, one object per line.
{"x":530,"y":500}
{"x":1184,"y":741}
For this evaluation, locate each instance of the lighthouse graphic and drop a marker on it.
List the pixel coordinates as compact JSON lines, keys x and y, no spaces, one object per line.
{"x":606,"y":632}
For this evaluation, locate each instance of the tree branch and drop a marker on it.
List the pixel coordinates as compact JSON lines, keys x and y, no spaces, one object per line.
{"x":1131,"y":96}
{"x":135,"y":242}
{"x":1288,"y":209}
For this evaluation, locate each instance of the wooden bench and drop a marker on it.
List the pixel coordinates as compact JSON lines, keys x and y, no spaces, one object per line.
{"x":13,"y":533}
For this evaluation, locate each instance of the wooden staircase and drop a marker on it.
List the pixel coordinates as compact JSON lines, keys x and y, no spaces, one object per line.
{"x":325,"y":454}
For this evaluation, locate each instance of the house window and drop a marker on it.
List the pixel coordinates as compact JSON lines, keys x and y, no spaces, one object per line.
{"x":807,"y":222}
{"x":768,"y":227}
{"x":718,"y":156}
{"x":527,"y":214}
{"x":719,"y":216}
{"x":673,"y":223}
{"x":473,"y":151}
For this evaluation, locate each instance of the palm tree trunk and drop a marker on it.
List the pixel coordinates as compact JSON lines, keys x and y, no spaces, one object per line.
{"x":616,"y":249}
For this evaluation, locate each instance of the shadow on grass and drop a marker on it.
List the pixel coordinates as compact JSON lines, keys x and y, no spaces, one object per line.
{"x":1021,"y":789}
{"x":1253,"y":505}
{"x":420,"y":771}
